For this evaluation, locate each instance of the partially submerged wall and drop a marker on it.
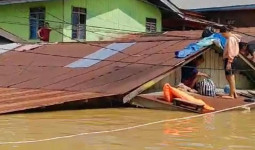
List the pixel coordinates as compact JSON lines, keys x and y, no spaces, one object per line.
{"x":214,"y":63}
{"x":213,"y":66}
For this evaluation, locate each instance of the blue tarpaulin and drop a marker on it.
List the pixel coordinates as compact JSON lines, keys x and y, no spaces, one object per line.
{"x":222,"y":39}
{"x":216,"y":38}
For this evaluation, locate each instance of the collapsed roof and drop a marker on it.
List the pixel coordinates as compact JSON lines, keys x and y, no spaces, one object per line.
{"x":58,"y":73}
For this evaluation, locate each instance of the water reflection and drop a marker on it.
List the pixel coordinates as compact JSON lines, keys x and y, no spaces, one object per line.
{"x":180,"y":128}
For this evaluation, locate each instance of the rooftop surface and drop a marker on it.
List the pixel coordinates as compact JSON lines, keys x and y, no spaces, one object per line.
{"x":87,"y":70}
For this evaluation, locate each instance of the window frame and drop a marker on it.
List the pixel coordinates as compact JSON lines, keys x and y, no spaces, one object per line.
{"x":80,"y":30}
{"x":151,"y":25}
{"x":230,"y":21}
{"x":39,"y":20}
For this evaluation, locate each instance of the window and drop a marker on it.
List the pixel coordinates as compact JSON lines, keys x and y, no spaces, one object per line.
{"x":151,"y":25}
{"x":36,"y":20}
{"x":78,"y":23}
{"x":230,"y":21}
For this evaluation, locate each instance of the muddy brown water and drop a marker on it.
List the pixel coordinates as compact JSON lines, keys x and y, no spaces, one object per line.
{"x":233,"y":130}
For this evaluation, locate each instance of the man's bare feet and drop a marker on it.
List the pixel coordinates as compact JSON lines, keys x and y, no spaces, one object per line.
{"x":228,"y":97}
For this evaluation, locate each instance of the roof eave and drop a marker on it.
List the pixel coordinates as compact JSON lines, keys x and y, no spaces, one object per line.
{"x":10,"y":36}
{"x":228,"y":8}
{"x":8,"y":2}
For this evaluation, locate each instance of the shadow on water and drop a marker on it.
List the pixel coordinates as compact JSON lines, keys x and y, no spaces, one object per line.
{"x":99,"y":103}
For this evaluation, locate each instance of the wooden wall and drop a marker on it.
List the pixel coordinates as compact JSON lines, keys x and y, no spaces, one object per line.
{"x":241,"y":18}
{"x":214,"y":63}
{"x":172,"y":79}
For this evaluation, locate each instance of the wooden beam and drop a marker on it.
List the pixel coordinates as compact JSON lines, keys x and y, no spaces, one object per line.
{"x":247,"y":62}
{"x":145,"y":86}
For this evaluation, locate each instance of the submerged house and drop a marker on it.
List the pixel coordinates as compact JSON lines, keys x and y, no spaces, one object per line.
{"x":238,"y":13}
{"x":97,"y":72}
{"x":102,"y":72}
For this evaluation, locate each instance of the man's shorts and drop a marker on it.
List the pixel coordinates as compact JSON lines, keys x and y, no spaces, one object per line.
{"x":232,"y":71}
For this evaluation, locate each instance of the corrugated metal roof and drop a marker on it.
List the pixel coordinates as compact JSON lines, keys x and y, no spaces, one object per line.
{"x":6,"y":2}
{"x":43,"y":68}
{"x":7,"y":47}
{"x":244,"y":31}
{"x":118,"y":75}
{"x":12,"y":100}
{"x":205,"y":4}
{"x":100,"y":55}
{"x":10,"y":36}
{"x":227,"y":8}
{"x":165,"y":5}
{"x":170,"y":5}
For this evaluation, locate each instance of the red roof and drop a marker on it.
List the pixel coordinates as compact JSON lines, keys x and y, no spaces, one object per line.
{"x":44,"y":69}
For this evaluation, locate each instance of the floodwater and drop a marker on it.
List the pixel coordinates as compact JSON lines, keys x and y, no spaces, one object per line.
{"x":234,"y":130}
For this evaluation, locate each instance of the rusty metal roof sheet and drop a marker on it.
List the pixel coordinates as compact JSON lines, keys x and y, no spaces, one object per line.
{"x":6,"y":2}
{"x":12,"y":99}
{"x":246,"y":31}
{"x":43,"y":68}
{"x":119,"y":74}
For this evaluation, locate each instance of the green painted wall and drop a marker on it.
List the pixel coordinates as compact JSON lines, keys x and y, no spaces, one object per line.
{"x":117,"y":14}
{"x":15,"y":19}
{"x":120,"y":14}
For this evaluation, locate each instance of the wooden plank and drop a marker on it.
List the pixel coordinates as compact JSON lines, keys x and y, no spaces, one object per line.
{"x":186,"y":101}
{"x":144,"y":87}
{"x":251,"y":92}
{"x":187,"y":105}
{"x":216,"y":66}
{"x":222,"y":77}
{"x":152,"y":104}
{"x":178,"y":76}
{"x":216,"y":102}
{"x":247,"y":61}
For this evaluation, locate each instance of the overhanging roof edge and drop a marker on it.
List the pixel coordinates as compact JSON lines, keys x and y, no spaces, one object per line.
{"x":153,"y":81}
{"x":173,"y":7}
{"x":9,"y":36}
{"x":226,"y":8}
{"x":7,"y":2}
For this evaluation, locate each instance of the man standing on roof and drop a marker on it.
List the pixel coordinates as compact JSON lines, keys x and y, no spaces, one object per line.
{"x":230,"y":54}
{"x":44,"y":32}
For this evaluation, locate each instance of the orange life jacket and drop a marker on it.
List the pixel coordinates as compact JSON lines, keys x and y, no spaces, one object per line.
{"x":171,"y":92}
